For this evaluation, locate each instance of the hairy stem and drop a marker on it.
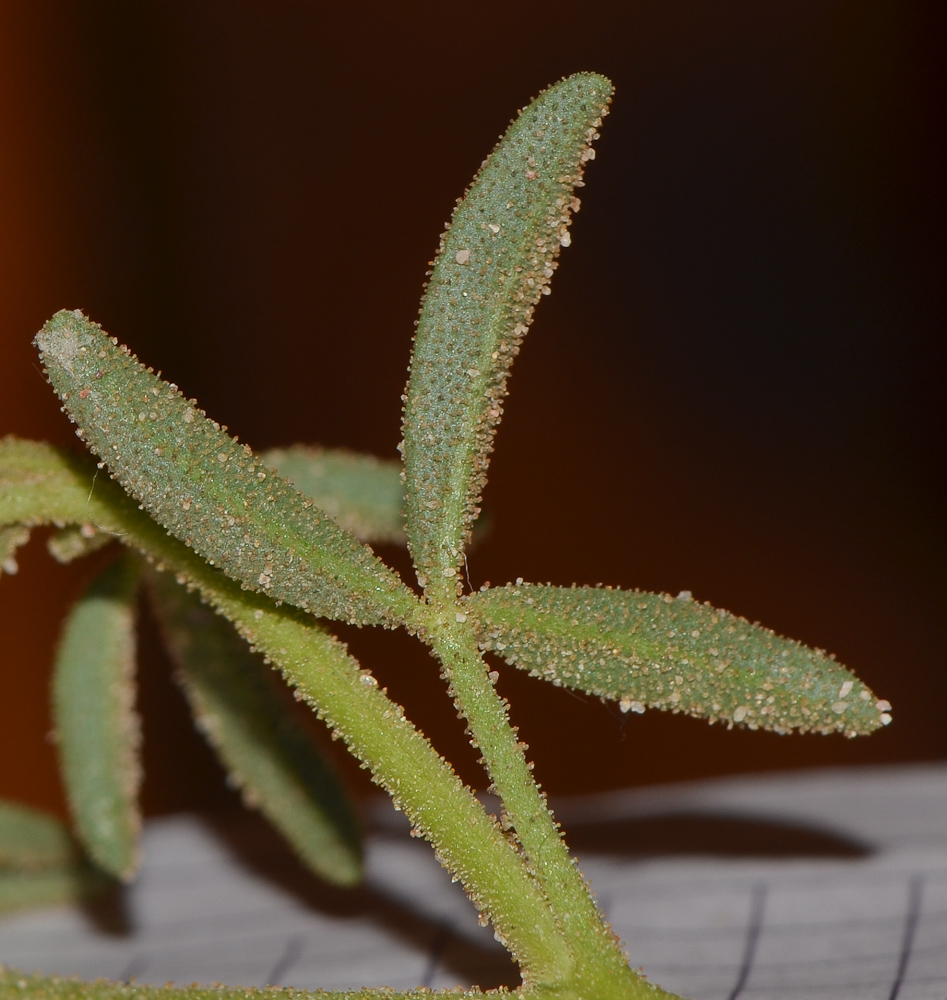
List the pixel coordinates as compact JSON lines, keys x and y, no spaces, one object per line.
{"x":41,"y":485}
{"x":487,"y":716}
{"x":403,"y":762}
{"x":540,"y":910}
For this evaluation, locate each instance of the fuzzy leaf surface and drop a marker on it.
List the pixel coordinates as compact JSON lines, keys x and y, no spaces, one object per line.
{"x":97,"y":728}
{"x":363,"y":493}
{"x":32,"y":839}
{"x":208,"y":490}
{"x":268,"y":756}
{"x":653,"y":650}
{"x":493,"y":265}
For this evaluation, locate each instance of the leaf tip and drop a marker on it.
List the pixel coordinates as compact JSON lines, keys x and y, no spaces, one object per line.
{"x":63,"y":338}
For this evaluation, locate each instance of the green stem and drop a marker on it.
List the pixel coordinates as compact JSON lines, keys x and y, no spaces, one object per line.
{"x":46,"y":486}
{"x":440,"y":807}
{"x":503,"y":755}
{"x":543,"y":915}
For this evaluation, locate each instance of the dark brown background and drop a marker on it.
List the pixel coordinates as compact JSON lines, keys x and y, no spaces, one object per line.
{"x":734,"y":389}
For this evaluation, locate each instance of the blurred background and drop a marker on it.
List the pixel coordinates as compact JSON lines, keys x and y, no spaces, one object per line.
{"x":735,"y":388}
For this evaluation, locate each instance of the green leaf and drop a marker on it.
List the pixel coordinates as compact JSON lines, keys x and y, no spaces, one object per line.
{"x":268,"y":755}
{"x":493,"y":265}
{"x":38,"y":480}
{"x":10,"y":540}
{"x":653,"y":650}
{"x":30,"y":838}
{"x":209,"y":491}
{"x":46,"y":887}
{"x":97,"y":728}
{"x":41,"y":485}
{"x":363,"y":493}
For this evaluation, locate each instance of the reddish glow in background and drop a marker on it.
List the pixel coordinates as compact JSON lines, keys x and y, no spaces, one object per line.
{"x":734,"y":389}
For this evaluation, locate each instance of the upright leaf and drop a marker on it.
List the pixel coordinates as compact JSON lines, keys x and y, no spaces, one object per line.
{"x":30,"y":838}
{"x":363,"y":493}
{"x":96,"y":725}
{"x":209,"y":491}
{"x":494,"y":262}
{"x":653,"y":650}
{"x":268,"y":756}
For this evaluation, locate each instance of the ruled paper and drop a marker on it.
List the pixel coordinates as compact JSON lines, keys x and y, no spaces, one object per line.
{"x":827,"y":885}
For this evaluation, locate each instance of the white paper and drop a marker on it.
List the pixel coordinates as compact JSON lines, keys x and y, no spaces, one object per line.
{"x":860,"y":914}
